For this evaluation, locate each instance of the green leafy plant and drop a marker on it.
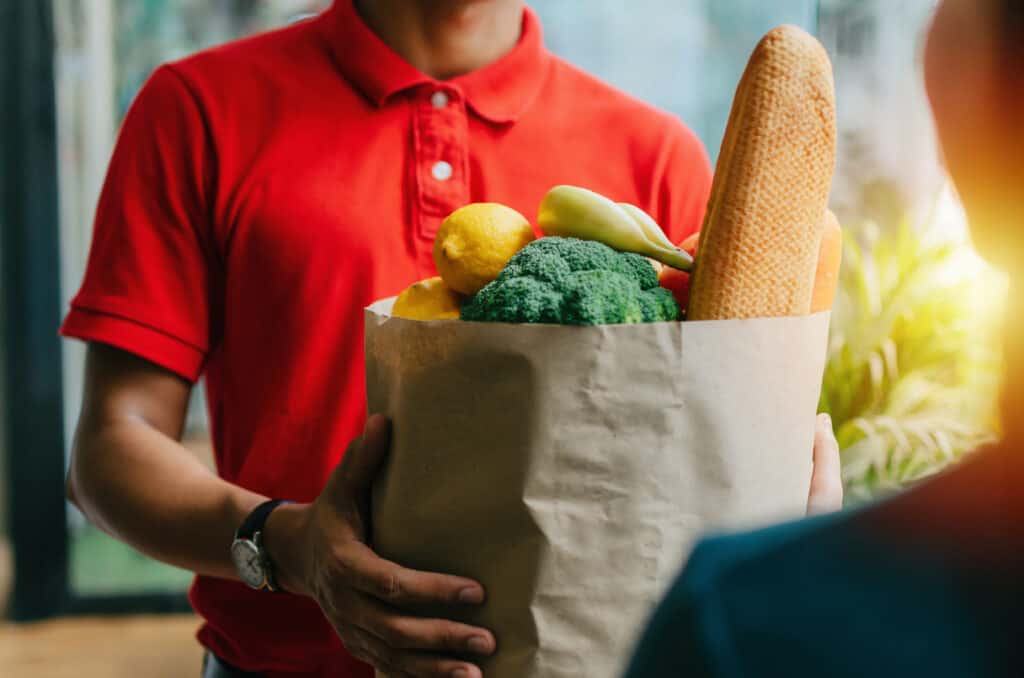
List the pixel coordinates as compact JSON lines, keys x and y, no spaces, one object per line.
{"x":914,"y":360}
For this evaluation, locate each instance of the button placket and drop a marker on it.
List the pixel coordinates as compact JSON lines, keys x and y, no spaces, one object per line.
{"x":440,"y":150}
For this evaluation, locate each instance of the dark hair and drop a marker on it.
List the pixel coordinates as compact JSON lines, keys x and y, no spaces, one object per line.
{"x":1011,"y":19}
{"x":1010,"y":16}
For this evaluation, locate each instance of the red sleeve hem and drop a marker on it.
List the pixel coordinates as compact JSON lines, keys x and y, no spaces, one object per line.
{"x":160,"y":348}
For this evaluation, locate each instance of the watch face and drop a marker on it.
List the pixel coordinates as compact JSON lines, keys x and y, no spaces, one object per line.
{"x":248,"y":563}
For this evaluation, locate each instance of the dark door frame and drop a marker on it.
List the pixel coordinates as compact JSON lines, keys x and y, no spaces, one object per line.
{"x":30,"y":313}
{"x":31,"y":303}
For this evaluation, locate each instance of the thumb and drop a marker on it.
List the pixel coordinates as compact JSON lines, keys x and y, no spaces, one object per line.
{"x":364,"y":458}
{"x":826,"y":492}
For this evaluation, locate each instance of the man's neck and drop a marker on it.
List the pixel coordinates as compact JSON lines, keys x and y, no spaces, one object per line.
{"x":445,"y":38}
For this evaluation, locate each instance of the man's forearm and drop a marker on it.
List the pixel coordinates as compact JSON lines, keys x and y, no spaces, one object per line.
{"x":146,"y":489}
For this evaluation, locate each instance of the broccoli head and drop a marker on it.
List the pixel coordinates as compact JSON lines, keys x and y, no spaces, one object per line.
{"x":567,"y":281}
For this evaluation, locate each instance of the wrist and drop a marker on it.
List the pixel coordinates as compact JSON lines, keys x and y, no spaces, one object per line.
{"x":283,"y":538}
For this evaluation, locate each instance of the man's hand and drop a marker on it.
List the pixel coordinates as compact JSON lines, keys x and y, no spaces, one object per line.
{"x":826,"y":480}
{"x":320,"y":550}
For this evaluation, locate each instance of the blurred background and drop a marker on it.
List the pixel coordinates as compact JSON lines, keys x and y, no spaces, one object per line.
{"x":913,"y":359}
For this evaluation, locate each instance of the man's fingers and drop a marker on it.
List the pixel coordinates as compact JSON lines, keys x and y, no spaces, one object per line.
{"x":364,"y":457}
{"x":416,"y":633}
{"x":397,"y":663}
{"x":399,"y":586}
{"x":826,"y":481}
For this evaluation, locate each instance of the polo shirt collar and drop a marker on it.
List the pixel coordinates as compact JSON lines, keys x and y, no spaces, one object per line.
{"x":499,"y":92}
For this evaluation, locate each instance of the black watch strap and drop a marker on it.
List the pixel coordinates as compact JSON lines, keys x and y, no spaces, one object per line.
{"x":252,"y":529}
{"x":254,"y":521}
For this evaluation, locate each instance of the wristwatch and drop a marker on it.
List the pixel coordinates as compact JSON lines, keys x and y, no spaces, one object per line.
{"x":247,"y":552}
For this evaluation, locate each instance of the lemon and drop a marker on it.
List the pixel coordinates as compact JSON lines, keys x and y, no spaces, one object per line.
{"x":429,"y":299}
{"x":476,"y":241}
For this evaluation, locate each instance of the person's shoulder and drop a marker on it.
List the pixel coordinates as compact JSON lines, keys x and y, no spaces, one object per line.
{"x":592,"y":101}
{"x":776,"y":597}
{"x":589,"y":91}
{"x":698,"y":629}
{"x":719,"y":559}
{"x":273,"y":56}
{"x":691,"y":631}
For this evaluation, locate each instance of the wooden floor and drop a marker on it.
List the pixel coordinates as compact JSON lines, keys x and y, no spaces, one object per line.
{"x":108,"y":647}
{"x":120,"y":647}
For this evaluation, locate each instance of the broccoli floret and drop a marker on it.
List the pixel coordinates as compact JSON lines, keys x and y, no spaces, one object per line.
{"x":639,"y":269}
{"x":659,"y":304}
{"x":551,"y":259}
{"x":540,"y":261}
{"x":601,"y":298}
{"x":515,"y":300}
{"x":573,"y":282}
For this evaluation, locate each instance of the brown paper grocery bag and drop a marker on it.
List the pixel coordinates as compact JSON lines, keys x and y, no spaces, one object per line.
{"x":569,"y":469}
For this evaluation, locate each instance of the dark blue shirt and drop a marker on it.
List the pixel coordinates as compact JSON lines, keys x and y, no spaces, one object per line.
{"x":928,"y":584}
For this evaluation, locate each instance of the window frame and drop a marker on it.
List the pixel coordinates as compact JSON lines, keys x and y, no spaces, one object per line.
{"x":34,"y":441}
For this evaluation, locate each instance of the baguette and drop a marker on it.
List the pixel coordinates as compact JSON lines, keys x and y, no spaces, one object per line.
{"x":760,"y":240}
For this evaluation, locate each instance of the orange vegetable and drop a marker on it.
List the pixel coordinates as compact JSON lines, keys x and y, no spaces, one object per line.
{"x":690,"y":244}
{"x":830,"y":255}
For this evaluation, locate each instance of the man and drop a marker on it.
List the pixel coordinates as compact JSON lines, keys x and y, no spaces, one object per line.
{"x":929,"y":583}
{"x":260,"y":195}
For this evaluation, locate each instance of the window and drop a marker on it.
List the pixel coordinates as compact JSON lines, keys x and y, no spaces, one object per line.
{"x":105,"y":50}
{"x":683,"y":56}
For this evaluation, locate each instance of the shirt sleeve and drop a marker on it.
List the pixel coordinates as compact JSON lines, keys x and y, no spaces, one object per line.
{"x":683,"y":184}
{"x":147,"y":283}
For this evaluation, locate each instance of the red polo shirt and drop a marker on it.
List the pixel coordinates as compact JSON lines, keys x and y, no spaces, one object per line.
{"x":263,"y":192}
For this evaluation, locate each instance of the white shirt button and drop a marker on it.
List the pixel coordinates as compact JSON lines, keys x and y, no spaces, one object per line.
{"x":441,"y":170}
{"x":439,"y":99}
